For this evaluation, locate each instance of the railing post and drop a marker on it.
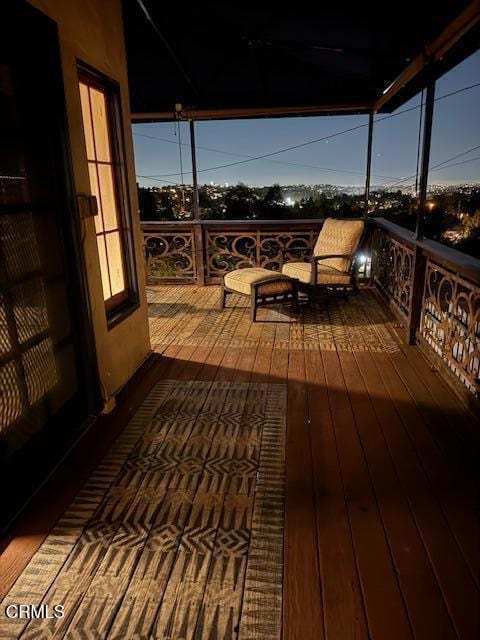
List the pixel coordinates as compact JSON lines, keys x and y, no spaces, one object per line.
{"x":199,"y":252}
{"x":197,"y":229}
{"x":416,"y":300}
{"x":369,"y":162}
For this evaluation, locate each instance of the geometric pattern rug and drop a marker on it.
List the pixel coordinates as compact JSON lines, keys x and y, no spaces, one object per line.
{"x":190,"y":316}
{"x":178,"y":533}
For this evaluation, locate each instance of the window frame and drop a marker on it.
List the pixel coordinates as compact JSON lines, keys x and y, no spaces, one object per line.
{"x":122,"y":304}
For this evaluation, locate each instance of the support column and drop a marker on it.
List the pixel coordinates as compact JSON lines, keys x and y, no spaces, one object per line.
{"x":427,"y":138}
{"x":197,"y":228}
{"x":369,"y":162}
{"x":419,"y":259}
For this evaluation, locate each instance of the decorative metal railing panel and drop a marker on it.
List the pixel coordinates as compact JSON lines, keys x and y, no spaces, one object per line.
{"x":237,"y":248}
{"x":392,"y":268}
{"x":451,"y":322}
{"x":170,"y":255}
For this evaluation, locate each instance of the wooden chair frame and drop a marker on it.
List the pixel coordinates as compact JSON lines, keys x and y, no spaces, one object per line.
{"x":258,"y":300}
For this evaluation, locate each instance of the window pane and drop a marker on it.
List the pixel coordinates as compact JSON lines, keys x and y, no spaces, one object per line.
{"x":115,"y":262}
{"x":11,"y":405}
{"x":40,"y":370}
{"x":100,"y":125}
{"x":30,"y":309}
{"x":19,"y":244}
{"x":5,"y":341}
{"x":103,"y":267}
{"x":92,"y":170}
{"x":105,"y":185}
{"x":109,"y":205}
{"x":87,"y":121}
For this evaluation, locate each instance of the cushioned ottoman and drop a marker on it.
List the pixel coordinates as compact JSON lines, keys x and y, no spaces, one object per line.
{"x":263,"y":286}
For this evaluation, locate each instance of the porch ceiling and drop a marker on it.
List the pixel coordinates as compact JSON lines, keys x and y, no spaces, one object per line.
{"x":222,"y":59}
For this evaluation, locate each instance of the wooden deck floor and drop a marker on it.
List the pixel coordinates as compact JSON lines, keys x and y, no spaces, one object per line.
{"x":382,"y":527}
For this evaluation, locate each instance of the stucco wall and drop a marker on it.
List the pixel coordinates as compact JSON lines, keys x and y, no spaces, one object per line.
{"x":92,"y":31}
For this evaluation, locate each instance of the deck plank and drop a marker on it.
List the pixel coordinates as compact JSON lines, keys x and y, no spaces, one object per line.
{"x":446,"y":423}
{"x":303,"y":615}
{"x":387,"y":617}
{"x":421,"y":459}
{"x":423,"y":598}
{"x":458,"y":495}
{"x":455,"y":410}
{"x":344,"y":612}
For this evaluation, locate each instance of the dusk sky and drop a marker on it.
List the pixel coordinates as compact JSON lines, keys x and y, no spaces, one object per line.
{"x":340,"y":160}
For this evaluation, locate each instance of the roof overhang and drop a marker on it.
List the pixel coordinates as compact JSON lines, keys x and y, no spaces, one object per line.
{"x":221,"y":61}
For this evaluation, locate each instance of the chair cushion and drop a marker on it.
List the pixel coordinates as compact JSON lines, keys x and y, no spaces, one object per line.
{"x":325,"y":275}
{"x":339,"y":237}
{"x":241,"y":280}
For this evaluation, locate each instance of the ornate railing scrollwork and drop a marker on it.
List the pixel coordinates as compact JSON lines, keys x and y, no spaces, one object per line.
{"x":392,"y":268}
{"x":172,"y":255}
{"x":234,"y":249}
{"x":271,"y":245}
{"x":229,"y":250}
{"x":169,"y":255}
{"x":451,"y":322}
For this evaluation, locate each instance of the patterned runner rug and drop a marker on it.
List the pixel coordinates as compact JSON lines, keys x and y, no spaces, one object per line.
{"x":178,"y":533}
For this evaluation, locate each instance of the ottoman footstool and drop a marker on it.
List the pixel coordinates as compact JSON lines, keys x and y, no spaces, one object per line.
{"x":262,"y":286}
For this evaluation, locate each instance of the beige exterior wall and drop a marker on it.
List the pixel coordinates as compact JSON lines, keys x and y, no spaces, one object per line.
{"x":92,"y":31}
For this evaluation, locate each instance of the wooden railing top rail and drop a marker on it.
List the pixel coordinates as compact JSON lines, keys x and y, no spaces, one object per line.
{"x":155,"y":224}
{"x":231,"y":223}
{"x":455,"y":260}
{"x":264,"y":223}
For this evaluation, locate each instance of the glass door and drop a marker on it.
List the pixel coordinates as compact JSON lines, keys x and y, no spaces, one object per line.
{"x":45,"y":391}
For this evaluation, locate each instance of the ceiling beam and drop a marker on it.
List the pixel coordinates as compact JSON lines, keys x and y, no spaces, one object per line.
{"x":434,"y":51}
{"x":249,"y":112}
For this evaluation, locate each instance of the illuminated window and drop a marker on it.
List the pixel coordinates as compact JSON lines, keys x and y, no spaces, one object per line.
{"x":102,"y":128}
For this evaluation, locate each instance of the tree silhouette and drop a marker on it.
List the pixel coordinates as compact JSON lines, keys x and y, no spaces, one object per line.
{"x":147,"y":204}
{"x":273,"y":196}
{"x":241,"y":202}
